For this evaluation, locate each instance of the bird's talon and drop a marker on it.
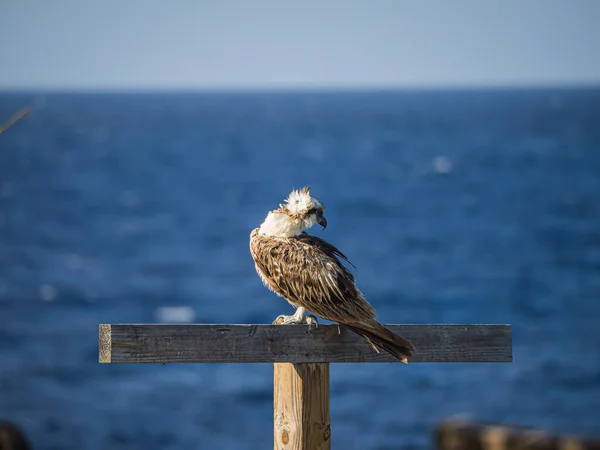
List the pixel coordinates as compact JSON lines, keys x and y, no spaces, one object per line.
{"x":285,"y":320}
{"x":288,"y":320}
{"x":311,"y":320}
{"x":295,"y":320}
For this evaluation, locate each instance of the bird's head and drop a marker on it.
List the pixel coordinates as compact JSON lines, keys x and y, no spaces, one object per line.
{"x":302,"y":206}
{"x":300,"y":211}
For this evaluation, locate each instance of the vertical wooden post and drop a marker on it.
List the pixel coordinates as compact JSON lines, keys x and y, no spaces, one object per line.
{"x":301,"y":406}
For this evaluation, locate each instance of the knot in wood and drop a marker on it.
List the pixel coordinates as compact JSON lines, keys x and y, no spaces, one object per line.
{"x":327,"y":432}
{"x":285,"y":437}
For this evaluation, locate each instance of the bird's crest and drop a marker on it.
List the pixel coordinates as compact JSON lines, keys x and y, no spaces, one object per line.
{"x":299,"y":201}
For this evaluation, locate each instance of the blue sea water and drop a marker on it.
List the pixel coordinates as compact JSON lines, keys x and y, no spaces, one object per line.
{"x":456,"y":207}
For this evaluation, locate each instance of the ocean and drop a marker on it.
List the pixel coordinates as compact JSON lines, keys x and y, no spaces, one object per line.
{"x":478,"y":206}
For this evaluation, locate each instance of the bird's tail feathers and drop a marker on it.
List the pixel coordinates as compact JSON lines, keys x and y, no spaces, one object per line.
{"x":379,"y":336}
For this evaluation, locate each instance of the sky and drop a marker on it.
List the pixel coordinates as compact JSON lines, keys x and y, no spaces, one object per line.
{"x":224,"y":44}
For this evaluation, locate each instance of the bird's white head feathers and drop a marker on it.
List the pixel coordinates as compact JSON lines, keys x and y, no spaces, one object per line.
{"x":300,"y":201}
{"x":299,"y":212}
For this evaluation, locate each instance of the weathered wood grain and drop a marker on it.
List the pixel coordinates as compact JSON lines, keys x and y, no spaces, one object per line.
{"x":105,"y":343}
{"x":128,"y":343}
{"x":301,"y":418}
{"x":455,"y":434}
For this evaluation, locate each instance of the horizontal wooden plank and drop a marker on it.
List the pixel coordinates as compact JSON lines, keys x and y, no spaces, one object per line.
{"x":127,"y":343}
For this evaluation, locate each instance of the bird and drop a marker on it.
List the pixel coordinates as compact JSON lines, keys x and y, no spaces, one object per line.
{"x":307,"y":271}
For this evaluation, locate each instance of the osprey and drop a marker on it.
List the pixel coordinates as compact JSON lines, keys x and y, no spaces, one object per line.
{"x":307,"y":272}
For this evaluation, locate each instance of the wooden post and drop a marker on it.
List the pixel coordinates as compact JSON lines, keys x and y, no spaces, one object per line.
{"x":301,"y":355}
{"x":301,"y":406}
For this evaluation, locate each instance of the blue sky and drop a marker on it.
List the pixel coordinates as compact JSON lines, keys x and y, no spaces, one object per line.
{"x":75,"y":44}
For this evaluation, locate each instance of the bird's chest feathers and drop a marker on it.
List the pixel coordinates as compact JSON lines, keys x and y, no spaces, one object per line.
{"x":271,"y":283}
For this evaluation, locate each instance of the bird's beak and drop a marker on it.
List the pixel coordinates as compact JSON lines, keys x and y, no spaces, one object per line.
{"x":323,"y":222}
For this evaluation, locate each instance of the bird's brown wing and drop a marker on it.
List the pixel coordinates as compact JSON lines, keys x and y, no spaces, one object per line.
{"x":327,"y":248}
{"x":307,"y":272}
